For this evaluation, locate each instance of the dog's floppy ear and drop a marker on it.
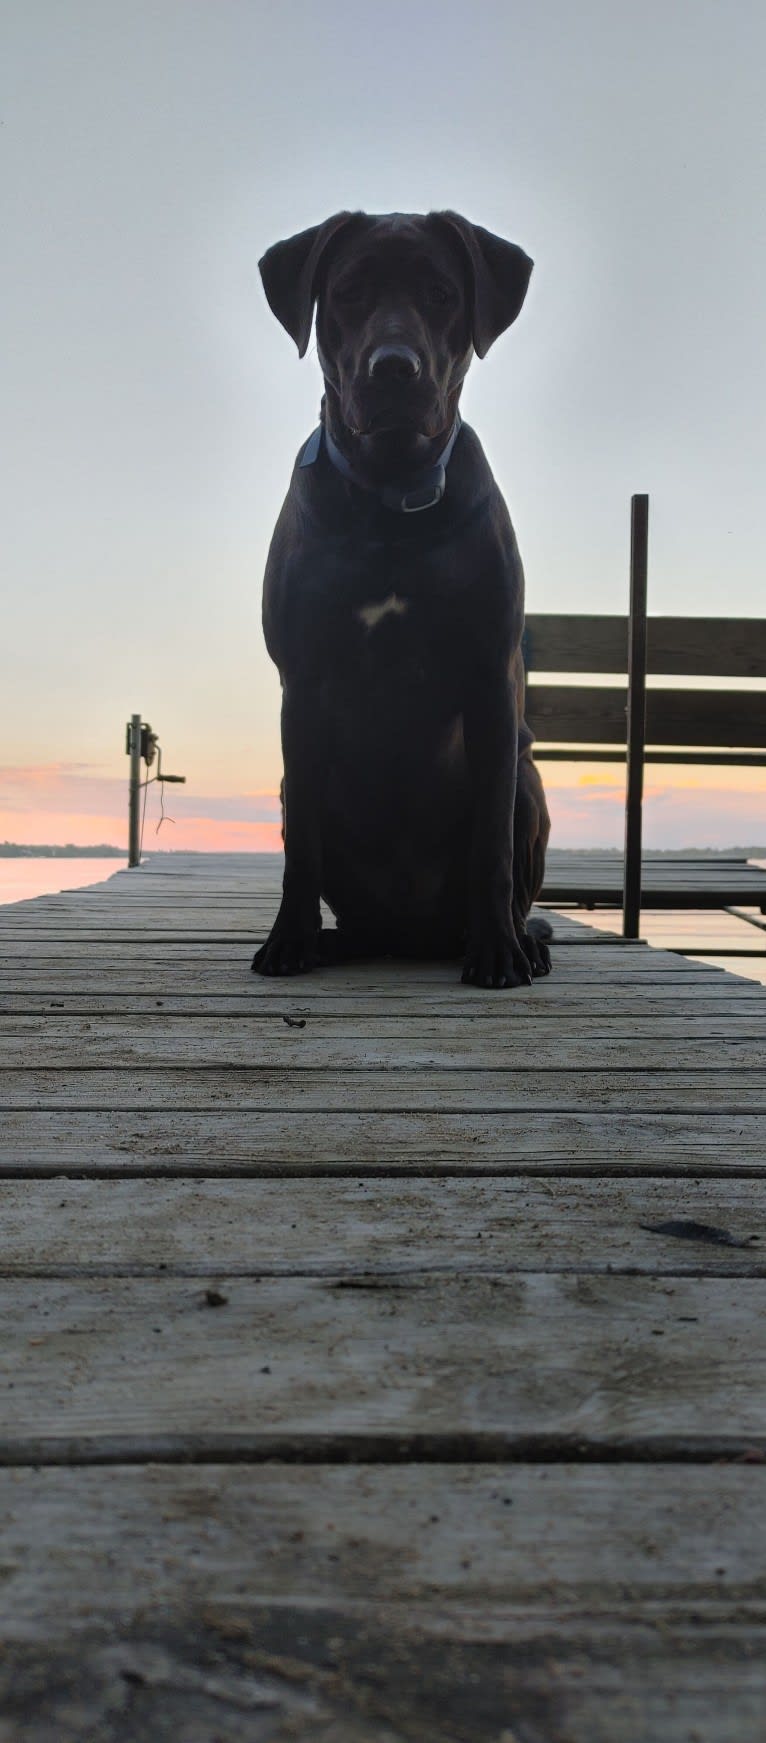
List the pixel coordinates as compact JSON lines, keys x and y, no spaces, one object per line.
{"x":289,"y":273}
{"x":499,"y":273}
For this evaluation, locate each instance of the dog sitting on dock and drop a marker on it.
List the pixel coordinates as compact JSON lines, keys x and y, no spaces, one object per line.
{"x":394,"y":607}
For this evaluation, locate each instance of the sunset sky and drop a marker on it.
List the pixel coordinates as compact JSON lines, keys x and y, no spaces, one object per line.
{"x":151,"y":407}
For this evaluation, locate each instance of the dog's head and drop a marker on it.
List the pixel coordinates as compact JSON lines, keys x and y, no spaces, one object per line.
{"x":403,"y":301}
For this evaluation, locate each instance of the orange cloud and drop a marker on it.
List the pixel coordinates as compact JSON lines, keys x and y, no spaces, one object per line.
{"x":78,"y":803}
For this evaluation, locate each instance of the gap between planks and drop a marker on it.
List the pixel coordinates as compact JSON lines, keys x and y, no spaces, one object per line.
{"x":475,"y":1448}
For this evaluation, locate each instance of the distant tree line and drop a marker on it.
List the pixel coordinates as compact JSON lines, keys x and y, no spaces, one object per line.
{"x":18,"y":850}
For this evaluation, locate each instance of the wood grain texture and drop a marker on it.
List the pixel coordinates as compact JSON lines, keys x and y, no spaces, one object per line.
{"x":649,"y":1009}
{"x":555,"y":1604}
{"x":124,"y":1366}
{"x":287,"y":1227}
{"x":580,"y":714}
{"x":220,"y":1141}
{"x":225,"y":966}
{"x":718,"y":647}
{"x":519,"y":1091}
{"x":436,"y":1604}
{"x":321,"y":1674}
{"x":519,"y":1233}
{"x":599,"y":1542}
{"x":359,"y":1043}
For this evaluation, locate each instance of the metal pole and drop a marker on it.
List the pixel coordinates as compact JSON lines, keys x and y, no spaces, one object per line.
{"x":134,"y":792}
{"x":636,"y":727}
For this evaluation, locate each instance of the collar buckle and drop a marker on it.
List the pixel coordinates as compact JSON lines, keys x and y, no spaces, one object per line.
{"x":425,"y":495}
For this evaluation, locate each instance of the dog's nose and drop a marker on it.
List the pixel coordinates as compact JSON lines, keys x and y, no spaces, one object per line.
{"x":394,"y":363}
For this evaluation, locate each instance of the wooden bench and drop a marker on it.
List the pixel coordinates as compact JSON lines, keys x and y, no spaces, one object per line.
{"x":626,"y":722}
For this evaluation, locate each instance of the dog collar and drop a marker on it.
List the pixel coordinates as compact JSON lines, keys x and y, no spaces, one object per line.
{"x":424,"y":490}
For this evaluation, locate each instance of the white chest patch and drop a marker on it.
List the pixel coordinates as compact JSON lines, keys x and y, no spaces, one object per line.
{"x":372,"y":615}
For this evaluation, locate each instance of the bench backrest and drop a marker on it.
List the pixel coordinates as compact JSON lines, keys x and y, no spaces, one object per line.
{"x":636,"y":723}
{"x":721,"y":725}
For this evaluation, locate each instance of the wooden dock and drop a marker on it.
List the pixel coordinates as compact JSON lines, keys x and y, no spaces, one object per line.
{"x":383,"y":1360}
{"x":667,"y":881}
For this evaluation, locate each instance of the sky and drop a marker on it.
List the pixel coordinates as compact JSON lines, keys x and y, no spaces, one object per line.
{"x":151,"y":407}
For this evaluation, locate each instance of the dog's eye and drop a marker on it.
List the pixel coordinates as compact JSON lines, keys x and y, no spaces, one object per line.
{"x":439,"y":293}
{"x":351,"y":292}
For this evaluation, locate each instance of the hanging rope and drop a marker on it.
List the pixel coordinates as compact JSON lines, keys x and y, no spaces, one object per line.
{"x":164,"y":817}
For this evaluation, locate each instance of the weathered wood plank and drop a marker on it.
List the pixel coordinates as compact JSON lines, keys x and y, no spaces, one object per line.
{"x":751,"y":967}
{"x":588,"y":1541}
{"x":648,"y":1009}
{"x":200,"y":941}
{"x":206,"y":913}
{"x":283,"y":1228}
{"x":585,"y":882}
{"x":521,"y":1090}
{"x":589,"y":714}
{"x":439,"y":1040}
{"x":200,"y":916}
{"x":668,"y":871}
{"x":498,"y":1364}
{"x":718,"y":647}
{"x":223,"y":1141}
{"x":331,"y":1674}
{"x":246,"y":933}
{"x":364,"y":1044}
{"x":570,"y":1604}
{"x":749,"y":884}
{"x":185,"y":957}
{"x":145,"y":888}
{"x":238,"y":871}
{"x":204,"y":927}
{"x":593,"y":892}
{"x":218,"y":992}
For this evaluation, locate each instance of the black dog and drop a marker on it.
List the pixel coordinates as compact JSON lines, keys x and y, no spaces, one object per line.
{"x":394,"y":607}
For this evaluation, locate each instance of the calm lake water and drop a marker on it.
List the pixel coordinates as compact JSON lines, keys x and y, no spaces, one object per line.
{"x":22,"y":878}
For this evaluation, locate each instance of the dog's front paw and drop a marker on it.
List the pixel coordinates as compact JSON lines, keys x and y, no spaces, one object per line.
{"x":497,"y":959}
{"x":287,"y":951}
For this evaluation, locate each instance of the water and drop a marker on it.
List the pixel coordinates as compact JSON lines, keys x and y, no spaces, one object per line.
{"x":21,"y":879}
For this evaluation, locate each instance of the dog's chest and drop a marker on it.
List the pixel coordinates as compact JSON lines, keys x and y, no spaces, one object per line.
{"x":389,"y":647}
{"x":392,"y":599}
{"x":398,"y":633}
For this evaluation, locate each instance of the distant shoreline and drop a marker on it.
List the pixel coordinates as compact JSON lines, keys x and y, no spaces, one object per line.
{"x":16,"y":850}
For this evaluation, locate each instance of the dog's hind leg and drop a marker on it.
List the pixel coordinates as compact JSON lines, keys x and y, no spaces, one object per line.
{"x":531,"y":829}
